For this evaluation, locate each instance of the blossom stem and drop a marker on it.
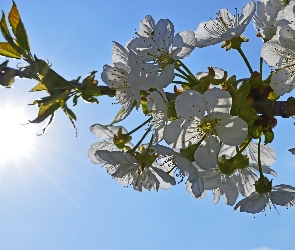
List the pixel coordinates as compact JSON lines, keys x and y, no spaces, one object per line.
{"x":182,"y":72}
{"x":140,"y":126}
{"x":242,"y":149}
{"x":245,"y":59}
{"x":186,"y":68}
{"x":190,"y":78}
{"x":181,"y":76}
{"x":140,"y":141}
{"x":260,"y":65}
{"x":259,"y":161}
{"x":180,"y":82}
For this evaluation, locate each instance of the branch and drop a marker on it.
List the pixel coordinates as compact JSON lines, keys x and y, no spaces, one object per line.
{"x":284,"y":109}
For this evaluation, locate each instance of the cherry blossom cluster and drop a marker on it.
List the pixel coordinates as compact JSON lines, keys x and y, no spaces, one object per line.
{"x":203,"y":133}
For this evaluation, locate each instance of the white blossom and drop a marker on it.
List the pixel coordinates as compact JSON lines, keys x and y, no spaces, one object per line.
{"x":206,"y":116}
{"x":281,"y":55}
{"x":116,"y":77}
{"x":158,"y":108}
{"x":153,"y":54}
{"x":283,"y":195}
{"x":107,"y":134}
{"x":266,"y":21}
{"x":149,"y":168}
{"x":225,"y":27}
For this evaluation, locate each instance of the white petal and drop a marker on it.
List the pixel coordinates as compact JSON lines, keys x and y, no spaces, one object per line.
{"x":282,"y":198}
{"x":183,"y":44}
{"x":247,"y":13}
{"x":286,"y":15}
{"x":147,"y":26}
{"x":217,"y":102}
{"x":227,"y":150}
{"x":122,"y":158}
{"x":232,"y":130}
{"x":179,"y":133}
{"x":165,"y":177}
{"x":120,"y":56}
{"x":206,"y":155}
{"x":283,"y":81}
{"x":267,"y":154}
{"x":216,"y":196}
{"x":211,"y":179}
{"x":103,"y":156}
{"x":101,"y":131}
{"x":284,"y":187}
{"x":205,"y":34}
{"x":255,"y":203}
{"x":190,"y":105}
{"x":114,"y":77}
{"x":165,"y":78}
{"x":275,"y":54}
{"x":287,"y":34}
{"x":127,"y":100}
{"x":229,"y":191}
{"x":164,"y":33}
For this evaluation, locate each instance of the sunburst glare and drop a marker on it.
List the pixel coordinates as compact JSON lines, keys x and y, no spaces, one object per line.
{"x":16,"y":141}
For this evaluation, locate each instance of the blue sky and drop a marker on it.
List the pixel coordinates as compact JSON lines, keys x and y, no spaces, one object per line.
{"x":55,"y":198}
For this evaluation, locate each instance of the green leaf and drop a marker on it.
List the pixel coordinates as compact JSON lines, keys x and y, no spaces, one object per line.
{"x":7,"y":50}
{"x":49,"y":77}
{"x":18,"y":28}
{"x":8,"y":78}
{"x":42,"y":100}
{"x":189,"y":152}
{"x":75,"y":99}
{"x":39,"y":87}
{"x":47,"y":125}
{"x":4,"y":65}
{"x":248,"y":114}
{"x":48,"y":108}
{"x":5,"y":30}
{"x":70,"y":114}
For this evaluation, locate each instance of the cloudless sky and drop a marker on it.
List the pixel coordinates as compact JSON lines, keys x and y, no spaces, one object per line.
{"x":55,"y":198}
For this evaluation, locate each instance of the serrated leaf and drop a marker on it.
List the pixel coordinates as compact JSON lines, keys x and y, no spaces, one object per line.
{"x":18,"y":28}
{"x":49,"y":77}
{"x":48,"y":108}
{"x":7,"y":50}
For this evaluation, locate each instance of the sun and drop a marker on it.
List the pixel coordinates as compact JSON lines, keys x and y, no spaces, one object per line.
{"x":16,"y":140}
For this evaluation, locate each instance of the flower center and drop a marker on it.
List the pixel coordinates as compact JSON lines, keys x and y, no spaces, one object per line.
{"x":207,"y":125}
